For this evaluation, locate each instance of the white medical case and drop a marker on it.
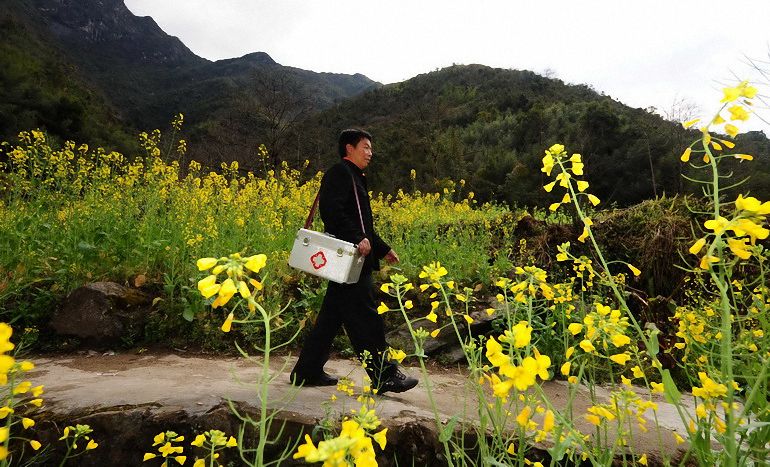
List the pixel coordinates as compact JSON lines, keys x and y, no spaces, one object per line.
{"x":325,"y":256}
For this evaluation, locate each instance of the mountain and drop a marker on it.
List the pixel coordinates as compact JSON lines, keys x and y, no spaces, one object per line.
{"x":147,"y":76}
{"x":40,"y":87}
{"x":490,"y":127}
{"x":90,"y":70}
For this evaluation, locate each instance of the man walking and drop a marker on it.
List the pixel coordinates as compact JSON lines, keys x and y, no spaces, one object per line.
{"x":351,"y":305}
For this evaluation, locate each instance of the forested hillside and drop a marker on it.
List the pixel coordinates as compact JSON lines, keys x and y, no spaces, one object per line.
{"x":40,"y":88}
{"x":489,"y":127}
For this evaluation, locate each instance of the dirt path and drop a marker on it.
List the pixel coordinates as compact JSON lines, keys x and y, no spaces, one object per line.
{"x":170,"y":383}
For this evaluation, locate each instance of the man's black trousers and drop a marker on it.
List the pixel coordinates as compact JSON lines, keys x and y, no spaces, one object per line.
{"x":352,"y":306}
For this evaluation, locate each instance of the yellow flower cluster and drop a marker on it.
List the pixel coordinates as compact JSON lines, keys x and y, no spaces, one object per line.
{"x":240,"y":277}
{"x":601,"y":327}
{"x":582,"y":266}
{"x":624,"y":405}
{"x":401,"y":213}
{"x":746,"y":225}
{"x":352,"y":446}
{"x":694,"y":325}
{"x":18,"y":395}
{"x":738,"y":98}
{"x":72,"y":434}
{"x":212,"y":442}
{"x":166,"y":449}
{"x":530,"y":282}
{"x":518,"y":363}
{"x":556,"y":156}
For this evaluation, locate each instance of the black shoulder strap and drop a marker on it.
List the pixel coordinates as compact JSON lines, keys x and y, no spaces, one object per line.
{"x":311,"y":215}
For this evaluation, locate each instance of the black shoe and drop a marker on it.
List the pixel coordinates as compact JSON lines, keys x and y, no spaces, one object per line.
{"x":396,"y":382}
{"x":324,"y":379}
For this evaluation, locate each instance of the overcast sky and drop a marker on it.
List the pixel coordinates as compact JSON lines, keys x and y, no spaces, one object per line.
{"x":643,"y":53}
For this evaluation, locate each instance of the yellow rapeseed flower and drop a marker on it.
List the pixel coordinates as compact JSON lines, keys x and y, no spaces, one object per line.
{"x":731,"y":130}
{"x":620,"y":358}
{"x":697,"y":246}
{"x":204,"y":264}
{"x":619,"y":340}
{"x":685,"y":157}
{"x":739,"y":247}
{"x":737,"y":112}
{"x":523,"y":418}
{"x":380,"y":438}
{"x":208,"y":286}
{"x":226,"y":292}
{"x":707,"y":261}
{"x":397,"y":355}
{"x":690,"y":123}
{"x":752,"y":205}
{"x":256,"y":263}
{"x":307,"y":451}
{"x":548,"y":421}
{"x":243,"y":289}
{"x":718,"y":225}
{"x":709,"y":389}
{"x":228,"y":323}
{"x":587,"y":346}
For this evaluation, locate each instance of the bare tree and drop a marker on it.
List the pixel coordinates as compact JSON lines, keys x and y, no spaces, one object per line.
{"x":682,"y":109}
{"x":279,"y":103}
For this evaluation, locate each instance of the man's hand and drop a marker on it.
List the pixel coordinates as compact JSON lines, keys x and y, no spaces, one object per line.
{"x":364,"y":247}
{"x":391,"y":257}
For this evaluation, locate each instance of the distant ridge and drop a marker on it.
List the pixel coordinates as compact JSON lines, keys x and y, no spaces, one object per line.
{"x":147,"y":76}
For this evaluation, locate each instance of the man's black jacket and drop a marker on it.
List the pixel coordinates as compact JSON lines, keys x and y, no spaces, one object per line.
{"x":339,"y":212}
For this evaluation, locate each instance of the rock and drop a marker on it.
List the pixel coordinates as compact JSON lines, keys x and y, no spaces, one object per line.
{"x":446,"y":342}
{"x":102,"y":312}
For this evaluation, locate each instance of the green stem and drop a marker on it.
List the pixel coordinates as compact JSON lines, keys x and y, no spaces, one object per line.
{"x":263,"y":390}
{"x":425,"y":376}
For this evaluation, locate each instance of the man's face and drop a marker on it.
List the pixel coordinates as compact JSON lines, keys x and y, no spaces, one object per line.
{"x":361,"y":154}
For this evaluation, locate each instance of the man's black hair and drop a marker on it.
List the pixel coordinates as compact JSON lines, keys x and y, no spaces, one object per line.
{"x":351,"y":136}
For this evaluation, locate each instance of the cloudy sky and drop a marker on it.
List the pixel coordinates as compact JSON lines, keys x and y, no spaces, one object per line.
{"x":643,"y":53}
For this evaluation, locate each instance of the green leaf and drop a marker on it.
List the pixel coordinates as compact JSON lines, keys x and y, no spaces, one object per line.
{"x":488,"y":460}
{"x":448,"y":430}
{"x":654,"y":345}
{"x":188,"y":314}
{"x":86,"y":247}
{"x":673,"y":396}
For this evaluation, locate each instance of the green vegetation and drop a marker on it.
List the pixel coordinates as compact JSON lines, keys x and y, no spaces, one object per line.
{"x":39,"y":88}
{"x":488,"y":126}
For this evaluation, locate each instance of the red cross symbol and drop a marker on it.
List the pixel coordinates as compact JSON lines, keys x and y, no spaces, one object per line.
{"x":318,"y":260}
